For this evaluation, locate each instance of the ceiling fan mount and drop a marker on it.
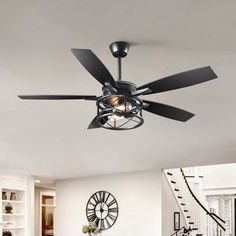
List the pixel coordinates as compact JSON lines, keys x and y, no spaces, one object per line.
{"x":119,"y":49}
{"x":120,"y":106}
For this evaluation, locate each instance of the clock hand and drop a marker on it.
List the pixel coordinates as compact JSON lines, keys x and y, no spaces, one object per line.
{"x":100,"y":202}
{"x":101,"y":219}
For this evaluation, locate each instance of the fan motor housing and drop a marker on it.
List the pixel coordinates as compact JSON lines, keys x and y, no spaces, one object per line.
{"x":124,"y":88}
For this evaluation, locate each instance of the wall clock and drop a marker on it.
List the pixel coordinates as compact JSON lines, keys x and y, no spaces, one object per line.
{"x":102,"y":208}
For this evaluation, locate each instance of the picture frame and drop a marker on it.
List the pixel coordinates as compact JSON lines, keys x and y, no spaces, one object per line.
{"x":176,"y":221}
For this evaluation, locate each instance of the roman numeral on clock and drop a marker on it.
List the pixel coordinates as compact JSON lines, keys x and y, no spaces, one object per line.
{"x":111,"y":217}
{"x":90,"y":203}
{"x":97,"y":221}
{"x":91,"y":217}
{"x":102,"y":196}
{"x":108,"y":223}
{"x":107,"y":197}
{"x":111,"y":203}
{"x":115,"y":209}
{"x":90,"y":211}
{"x":95,"y":198}
{"x":102,"y":225}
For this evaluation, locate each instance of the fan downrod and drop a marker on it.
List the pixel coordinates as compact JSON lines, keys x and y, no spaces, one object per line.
{"x":119,"y":50}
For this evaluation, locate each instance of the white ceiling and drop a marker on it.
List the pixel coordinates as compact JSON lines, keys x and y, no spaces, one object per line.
{"x":50,"y":138}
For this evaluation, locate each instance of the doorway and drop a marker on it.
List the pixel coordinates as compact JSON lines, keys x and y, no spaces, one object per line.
{"x":47,"y":206}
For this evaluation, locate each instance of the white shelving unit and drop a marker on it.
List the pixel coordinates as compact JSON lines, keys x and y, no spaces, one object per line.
{"x":15,"y":221}
{"x":20,"y":221}
{"x":10,"y":201}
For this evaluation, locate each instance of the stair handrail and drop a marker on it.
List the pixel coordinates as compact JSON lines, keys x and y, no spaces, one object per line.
{"x":200,"y":204}
{"x":213,"y":214}
{"x":185,"y":231}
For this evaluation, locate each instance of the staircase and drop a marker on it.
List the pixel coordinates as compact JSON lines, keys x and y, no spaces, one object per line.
{"x":198,"y":220}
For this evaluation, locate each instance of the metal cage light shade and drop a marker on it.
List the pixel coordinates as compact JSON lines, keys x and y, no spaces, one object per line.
{"x":119,"y":112}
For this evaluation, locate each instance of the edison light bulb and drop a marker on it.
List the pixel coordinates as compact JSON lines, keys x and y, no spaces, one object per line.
{"x":119,"y":110}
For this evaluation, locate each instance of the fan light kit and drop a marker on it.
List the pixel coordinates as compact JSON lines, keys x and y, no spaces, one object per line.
{"x":120,"y":106}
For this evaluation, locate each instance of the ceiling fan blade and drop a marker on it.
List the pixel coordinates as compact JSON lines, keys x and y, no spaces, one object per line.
{"x":94,"y":66}
{"x":93,"y":124}
{"x":58,"y":97}
{"x":181,"y":80}
{"x":167,"y":111}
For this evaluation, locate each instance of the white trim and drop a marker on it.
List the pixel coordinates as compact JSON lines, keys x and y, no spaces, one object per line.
{"x":219,"y":191}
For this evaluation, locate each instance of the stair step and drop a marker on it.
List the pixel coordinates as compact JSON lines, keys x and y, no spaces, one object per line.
{"x":173,"y":182}
{"x":192,"y":176}
{"x":180,"y":197}
{"x":169,"y":173}
{"x":183,"y":204}
{"x":176,"y":189}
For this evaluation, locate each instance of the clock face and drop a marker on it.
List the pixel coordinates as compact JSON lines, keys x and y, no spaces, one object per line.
{"x":102,"y":208}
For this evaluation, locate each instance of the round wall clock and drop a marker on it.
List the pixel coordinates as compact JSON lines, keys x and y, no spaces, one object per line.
{"x":102,"y":208}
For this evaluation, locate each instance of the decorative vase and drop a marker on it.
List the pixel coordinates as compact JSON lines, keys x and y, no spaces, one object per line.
{"x":13,"y":196}
{"x":4,"y":195}
{"x":8,"y":209}
{"x":6,"y":233}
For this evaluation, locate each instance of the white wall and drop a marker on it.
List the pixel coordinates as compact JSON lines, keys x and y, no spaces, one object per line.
{"x":138,"y":195}
{"x":169,"y":206}
{"x":219,"y":176}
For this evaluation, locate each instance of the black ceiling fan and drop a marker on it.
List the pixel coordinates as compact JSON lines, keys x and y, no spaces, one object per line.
{"x":120,"y":107}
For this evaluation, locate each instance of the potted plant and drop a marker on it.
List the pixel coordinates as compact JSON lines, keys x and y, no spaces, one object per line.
{"x":90,"y":229}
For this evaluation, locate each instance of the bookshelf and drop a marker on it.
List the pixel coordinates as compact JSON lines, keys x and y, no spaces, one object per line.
{"x":16,"y":205}
{"x":14,"y":221}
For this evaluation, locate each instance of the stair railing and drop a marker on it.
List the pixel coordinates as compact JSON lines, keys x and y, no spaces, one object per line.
{"x":213,"y":216}
{"x":184,"y":229}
